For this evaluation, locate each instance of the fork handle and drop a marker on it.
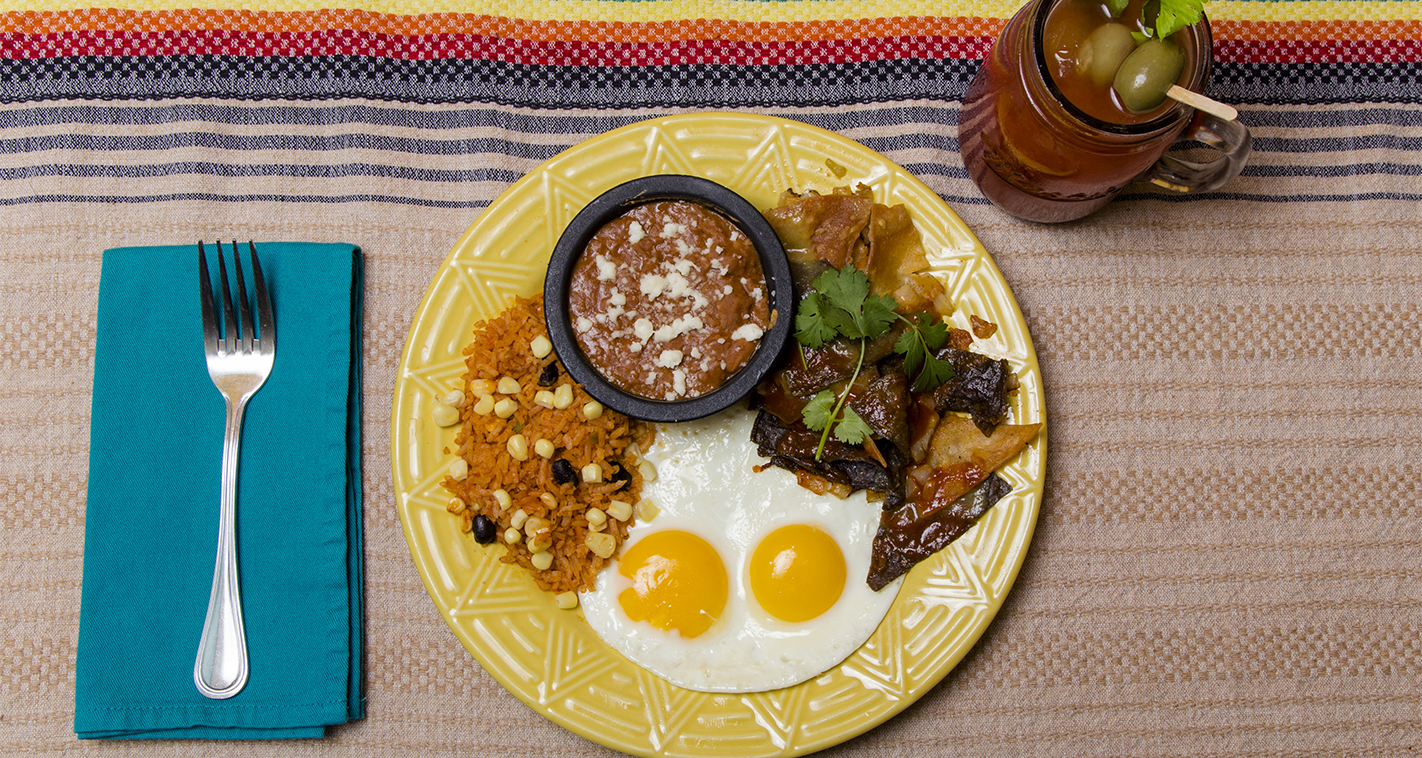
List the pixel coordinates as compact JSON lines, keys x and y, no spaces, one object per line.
{"x":221,"y":668}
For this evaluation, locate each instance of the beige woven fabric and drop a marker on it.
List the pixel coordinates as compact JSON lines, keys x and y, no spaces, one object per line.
{"x":1228,"y":557}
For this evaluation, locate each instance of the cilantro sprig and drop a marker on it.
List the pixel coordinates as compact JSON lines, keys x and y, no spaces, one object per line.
{"x":1162,"y":18}
{"x":842,"y":305}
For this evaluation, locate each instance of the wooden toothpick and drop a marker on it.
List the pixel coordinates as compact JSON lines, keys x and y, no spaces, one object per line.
{"x":1200,"y":102}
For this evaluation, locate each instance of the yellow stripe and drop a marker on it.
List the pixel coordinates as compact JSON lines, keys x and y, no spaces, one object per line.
{"x":784,"y":11}
{"x":1323,"y":10}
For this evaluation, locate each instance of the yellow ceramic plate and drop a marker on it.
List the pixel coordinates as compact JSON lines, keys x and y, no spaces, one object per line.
{"x":549,"y":658}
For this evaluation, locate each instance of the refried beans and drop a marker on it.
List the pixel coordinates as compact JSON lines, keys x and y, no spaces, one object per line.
{"x":669,"y":300}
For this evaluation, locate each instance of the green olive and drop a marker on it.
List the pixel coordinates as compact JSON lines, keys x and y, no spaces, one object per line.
{"x":1147,"y":73}
{"x":1103,"y":51}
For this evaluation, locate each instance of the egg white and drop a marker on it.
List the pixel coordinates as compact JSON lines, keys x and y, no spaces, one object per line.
{"x":707,"y":485}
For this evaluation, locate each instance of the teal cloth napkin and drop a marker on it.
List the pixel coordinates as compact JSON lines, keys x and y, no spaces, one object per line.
{"x":150,"y":535}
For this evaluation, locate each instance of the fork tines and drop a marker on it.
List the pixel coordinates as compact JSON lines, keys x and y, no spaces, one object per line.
{"x":237,"y":334}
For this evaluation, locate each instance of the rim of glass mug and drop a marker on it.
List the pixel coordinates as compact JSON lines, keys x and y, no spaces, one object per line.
{"x":1203,"y":40}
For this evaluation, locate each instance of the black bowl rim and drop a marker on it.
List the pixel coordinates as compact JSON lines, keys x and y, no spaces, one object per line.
{"x":612,"y":204}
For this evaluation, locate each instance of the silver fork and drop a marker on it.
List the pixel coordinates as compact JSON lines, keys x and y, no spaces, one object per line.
{"x":239,"y":362}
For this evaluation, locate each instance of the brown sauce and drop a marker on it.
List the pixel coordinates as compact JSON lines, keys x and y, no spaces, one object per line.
{"x":668,"y":300}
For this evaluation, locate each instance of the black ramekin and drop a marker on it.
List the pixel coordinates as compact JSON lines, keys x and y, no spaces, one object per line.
{"x":614,"y":203}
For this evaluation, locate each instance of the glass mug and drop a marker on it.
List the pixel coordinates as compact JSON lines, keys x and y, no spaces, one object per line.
{"x":1038,"y":156}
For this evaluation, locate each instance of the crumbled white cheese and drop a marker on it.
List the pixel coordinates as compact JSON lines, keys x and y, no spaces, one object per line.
{"x":695,"y":352}
{"x":669,"y":359}
{"x":677,"y":286}
{"x":671,"y":229}
{"x":606,"y":269}
{"x":643,"y":329}
{"x":748,"y":332}
{"x":682,"y":266}
{"x":679,"y":326}
{"x":618,"y":298}
{"x":635,"y":233}
{"x":653,"y":285}
{"x":682,"y":247}
{"x":584,"y":323}
{"x":679,"y":382}
{"x":735,"y":235}
{"x":728,"y":289}
{"x":635,"y":347}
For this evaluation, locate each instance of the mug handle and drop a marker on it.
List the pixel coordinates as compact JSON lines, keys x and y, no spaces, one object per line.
{"x":1229,"y":137}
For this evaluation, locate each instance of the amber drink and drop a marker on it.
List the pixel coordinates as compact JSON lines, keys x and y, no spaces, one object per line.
{"x":1046,"y":133}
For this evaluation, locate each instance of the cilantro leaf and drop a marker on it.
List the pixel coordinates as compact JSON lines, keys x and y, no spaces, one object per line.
{"x":1172,"y":15}
{"x":842,"y":321}
{"x":810,"y":326}
{"x":910,"y":346}
{"x":933,"y":330}
{"x":935,"y":372}
{"x":917,"y":346}
{"x":1117,"y":7}
{"x":819,"y":412}
{"x":851,"y":429}
{"x":841,"y":305}
{"x":846,"y":288}
{"x":878,"y":315}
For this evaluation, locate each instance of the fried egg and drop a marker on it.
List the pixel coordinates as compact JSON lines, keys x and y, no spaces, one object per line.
{"x":744,"y":581}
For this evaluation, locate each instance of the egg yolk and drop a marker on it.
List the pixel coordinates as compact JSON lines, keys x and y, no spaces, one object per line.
{"x":678,"y":582}
{"x":797,"y":572}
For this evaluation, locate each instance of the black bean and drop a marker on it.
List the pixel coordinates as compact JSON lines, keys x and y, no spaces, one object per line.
{"x":549,"y":377}
{"x":483,"y":530}
{"x":621,"y":475}
{"x":563,"y":472}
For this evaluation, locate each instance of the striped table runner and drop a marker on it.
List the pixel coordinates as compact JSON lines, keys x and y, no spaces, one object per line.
{"x":1227,"y":561}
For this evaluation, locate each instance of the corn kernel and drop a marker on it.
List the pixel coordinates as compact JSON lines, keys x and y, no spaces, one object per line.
{"x":549,"y":500}
{"x":458,"y":469}
{"x":543,"y":561}
{"x":619,"y":510}
{"x":466,"y":521}
{"x":540,"y":346}
{"x":518,"y":447}
{"x":513,"y":536}
{"x":647,"y":470}
{"x":563,"y":396}
{"x":485,"y":405}
{"x":567,"y":600}
{"x":544,"y":448}
{"x":592,"y":409}
{"x":647,"y":510}
{"x":604,"y":545}
{"x":454,"y":398}
{"x":505,"y":408}
{"x":539,"y":543}
{"x":517,"y":519}
{"x":596,"y":517}
{"x":455,"y":505}
{"x":533,"y":525}
{"x":592,"y":473}
{"x":597,"y":527}
{"x":444,"y":414}
{"x":507,"y":386}
{"x":543,"y":398}
{"x":502,"y":498}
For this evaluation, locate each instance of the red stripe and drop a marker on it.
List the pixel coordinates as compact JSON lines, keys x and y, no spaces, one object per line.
{"x":1319,"y":51}
{"x":344,"y":42}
